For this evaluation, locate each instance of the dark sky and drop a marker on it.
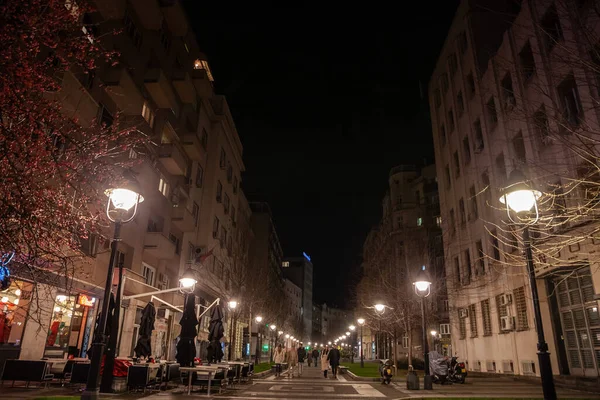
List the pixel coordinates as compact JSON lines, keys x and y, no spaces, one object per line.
{"x":326,"y":101}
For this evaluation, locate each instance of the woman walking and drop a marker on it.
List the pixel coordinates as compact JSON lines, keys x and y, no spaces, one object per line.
{"x":278,"y":359}
{"x":324,"y":361}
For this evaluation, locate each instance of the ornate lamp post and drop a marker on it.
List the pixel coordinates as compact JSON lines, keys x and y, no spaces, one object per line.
{"x":258,"y":320}
{"x":352,"y":328}
{"x":120,"y":209}
{"x":422,"y":286}
{"x":361,"y":323}
{"x":232,"y":304}
{"x":380,"y":309}
{"x":522,"y":199}
{"x":272,"y":327}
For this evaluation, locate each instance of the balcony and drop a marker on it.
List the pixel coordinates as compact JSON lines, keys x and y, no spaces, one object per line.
{"x":183,"y":219}
{"x":184,"y":87}
{"x":173,"y":158}
{"x":193,"y":146}
{"x":175,"y":17}
{"x":159,"y":87}
{"x":202,"y":83}
{"x":157,"y":245}
{"x":76,"y":101}
{"x":123,"y":91}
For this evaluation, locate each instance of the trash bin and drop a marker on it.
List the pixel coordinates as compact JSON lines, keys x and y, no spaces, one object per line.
{"x":412,"y":380}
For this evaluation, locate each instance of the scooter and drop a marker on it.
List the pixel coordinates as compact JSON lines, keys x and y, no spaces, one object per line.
{"x":457,"y":371}
{"x":385,"y":370}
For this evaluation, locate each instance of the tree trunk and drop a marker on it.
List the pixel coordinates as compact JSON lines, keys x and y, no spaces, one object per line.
{"x":409,"y":354}
{"x":394,"y":348}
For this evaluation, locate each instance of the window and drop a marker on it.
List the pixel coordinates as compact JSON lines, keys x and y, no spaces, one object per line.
{"x":474,"y":211}
{"x":521,"y":308}
{"x":451,"y":122}
{"x":443,"y":134}
{"x":285,"y":264}
{"x":486,"y":317}
{"x":467,"y":279}
{"x":132,"y":31}
{"x":452,"y":222}
{"x":219,"y":191}
{"x":168,"y":133}
{"x":551,"y":29}
{"x":508,"y":94}
{"x":456,"y":165}
{"x":223,"y":159}
{"x":466,"y":150}
{"x":445,"y":302}
{"x":176,"y":241}
{"x":438,"y":221}
{"x":226,"y":204}
{"x":540,"y":124}
{"x":452,"y":64}
{"x":480,"y":268}
{"x":501,"y":168}
{"x":405,"y":342}
{"x":457,"y":269}
{"x":235,"y":184}
{"x":473,"y":320}
{"x":492,"y":114}
{"x":199,"y":176}
{"x":495,"y":245}
{"x":502,"y":311}
{"x":229,"y":173}
{"x":204,"y":139}
{"x":196,"y":213}
{"x":215,"y":231}
{"x":419,"y":221}
{"x":444,"y":329}
{"x":478,"y":135}
{"x":89,"y":244}
{"x":148,"y":114}
{"x":448,"y":180}
{"x":519,"y":147}
{"x":461,"y":208}
{"x":527,"y":62}
{"x":223,"y":238}
{"x":437,"y":98}
{"x":487,"y":189}
{"x":444,"y":83}
{"x":470,"y":85}
{"x":569,"y":102}
{"x":148,"y":273}
{"x":417,"y":197}
{"x":462,"y":327}
{"x":163,"y":186}
{"x":460,"y":104}
{"x":463,"y":43}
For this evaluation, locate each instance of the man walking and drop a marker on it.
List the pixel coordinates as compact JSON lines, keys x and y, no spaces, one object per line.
{"x":334,"y":360}
{"x":308,"y":357}
{"x":301,"y":357}
{"x":315,"y":356}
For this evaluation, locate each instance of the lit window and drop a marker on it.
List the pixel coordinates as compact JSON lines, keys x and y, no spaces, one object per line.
{"x":445,"y":329}
{"x":203,"y":64}
{"x":163,"y":186}
{"x":285,"y":264}
{"x":148,"y":114}
{"x":419,"y":221}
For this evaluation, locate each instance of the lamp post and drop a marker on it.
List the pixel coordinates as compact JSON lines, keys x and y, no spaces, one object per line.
{"x":272,"y":327}
{"x":380,"y":308}
{"x":522,"y":199}
{"x":232,"y":306}
{"x":352,"y":328}
{"x":121,"y":200}
{"x":361,"y":323}
{"x":258,"y":320}
{"x":422,"y":286}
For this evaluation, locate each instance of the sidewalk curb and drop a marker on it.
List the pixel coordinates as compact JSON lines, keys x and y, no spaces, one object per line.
{"x":263,"y":374}
{"x":360,"y":378}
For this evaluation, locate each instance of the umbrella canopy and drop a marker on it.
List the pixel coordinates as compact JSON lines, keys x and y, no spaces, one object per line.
{"x":186,"y":347}
{"x":215,"y":333}
{"x":143,"y":347}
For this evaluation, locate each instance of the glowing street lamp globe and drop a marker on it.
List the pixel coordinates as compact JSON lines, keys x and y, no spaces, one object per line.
{"x":232,"y":304}
{"x":272,"y":327}
{"x":188,"y":281}
{"x":422,"y":283}
{"x":280,"y":333}
{"x":287,"y":336}
{"x":258,"y":319}
{"x":352,"y":328}
{"x":360,"y":321}
{"x":347,"y":333}
{"x":518,"y":195}
{"x":379,"y":307}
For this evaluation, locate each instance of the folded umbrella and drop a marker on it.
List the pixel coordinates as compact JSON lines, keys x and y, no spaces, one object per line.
{"x":186,"y":347}
{"x":143,"y":348}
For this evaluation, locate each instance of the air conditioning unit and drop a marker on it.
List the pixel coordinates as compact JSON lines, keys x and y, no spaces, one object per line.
{"x":463,"y":313}
{"x":506,"y":299}
{"x":507,"y":323}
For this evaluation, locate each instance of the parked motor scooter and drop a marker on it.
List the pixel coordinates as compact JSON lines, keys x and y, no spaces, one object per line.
{"x":438,"y":368}
{"x":457,"y":371}
{"x":385,"y":370}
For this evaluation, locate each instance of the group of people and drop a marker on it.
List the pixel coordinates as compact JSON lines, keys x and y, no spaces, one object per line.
{"x":294,"y":358}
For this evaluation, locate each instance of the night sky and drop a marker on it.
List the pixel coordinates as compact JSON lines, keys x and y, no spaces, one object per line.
{"x":325,"y":103}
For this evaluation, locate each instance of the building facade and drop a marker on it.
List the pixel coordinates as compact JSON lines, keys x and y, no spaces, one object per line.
{"x":300,"y":271}
{"x":190,"y":178}
{"x":515,"y":88}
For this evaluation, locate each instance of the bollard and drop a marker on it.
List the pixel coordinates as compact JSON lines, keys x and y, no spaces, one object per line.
{"x":412,"y":379}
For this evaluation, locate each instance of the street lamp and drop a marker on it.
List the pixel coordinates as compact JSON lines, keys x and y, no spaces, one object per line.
{"x":121,"y":208}
{"x":232,"y":304}
{"x":422,"y":286}
{"x":272,"y":327}
{"x":187,"y":282}
{"x":522,"y":199}
{"x":380,"y":308}
{"x":258,"y":320}
{"x":361,"y":322}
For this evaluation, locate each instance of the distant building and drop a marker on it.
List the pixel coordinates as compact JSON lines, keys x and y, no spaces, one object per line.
{"x":317,"y":333}
{"x":300,"y":271}
{"x":265,"y":249}
{"x":293,"y":295}
{"x":335,"y":321}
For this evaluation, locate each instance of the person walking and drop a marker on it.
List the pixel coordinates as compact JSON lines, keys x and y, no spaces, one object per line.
{"x":334,"y":360}
{"x":324,"y":361}
{"x":309,"y":357}
{"x":301,"y":356}
{"x":292,"y":360}
{"x":278,"y":359}
{"x":315,"y":356}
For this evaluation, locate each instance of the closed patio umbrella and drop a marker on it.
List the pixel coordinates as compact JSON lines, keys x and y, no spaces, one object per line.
{"x":143,"y":348}
{"x":215,"y":333}
{"x":186,"y":347}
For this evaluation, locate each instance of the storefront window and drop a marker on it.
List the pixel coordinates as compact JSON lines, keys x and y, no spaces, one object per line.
{"x":69,"y":328}
{"x":14,"y":306}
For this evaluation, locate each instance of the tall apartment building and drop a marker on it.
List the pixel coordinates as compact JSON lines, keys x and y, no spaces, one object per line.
{"x":408,"y":237}
{"x":300,"y":271}
{"x":190,"y":180}
{"x":515,"y":87}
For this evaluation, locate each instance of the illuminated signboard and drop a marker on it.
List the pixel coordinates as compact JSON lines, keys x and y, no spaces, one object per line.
{"x":86,"y":301}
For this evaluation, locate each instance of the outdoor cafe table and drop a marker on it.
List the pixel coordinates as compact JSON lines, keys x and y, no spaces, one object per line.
{"x":238,"y":370}
{"x":201,"y":369}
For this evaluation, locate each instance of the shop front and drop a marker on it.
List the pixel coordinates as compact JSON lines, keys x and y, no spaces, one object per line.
{"x":14,"y":308}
